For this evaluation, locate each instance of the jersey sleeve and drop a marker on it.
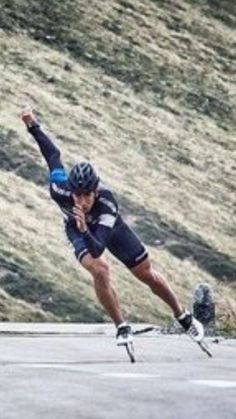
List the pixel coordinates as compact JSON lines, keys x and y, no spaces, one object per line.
{"x":108,"y":210}
{"x":48,"y":149}
{"x":108,"y":213}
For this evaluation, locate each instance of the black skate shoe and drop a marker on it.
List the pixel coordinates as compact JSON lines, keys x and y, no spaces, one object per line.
{"x":124,"y":334}
{"x":192,"y":326}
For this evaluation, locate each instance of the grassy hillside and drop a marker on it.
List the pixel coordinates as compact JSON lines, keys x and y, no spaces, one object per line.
{"x":149,"y":97}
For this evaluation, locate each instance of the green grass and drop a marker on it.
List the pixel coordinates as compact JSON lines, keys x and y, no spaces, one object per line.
{"x":150,"y":100}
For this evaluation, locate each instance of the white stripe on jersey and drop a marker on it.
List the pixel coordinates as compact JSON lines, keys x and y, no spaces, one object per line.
{"x":108,"y":203}
{"x":107,"y":220}
{"x":60,"y":191}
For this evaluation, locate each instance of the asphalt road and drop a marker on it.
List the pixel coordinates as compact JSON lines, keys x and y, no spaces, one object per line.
{"x":77,"y":372}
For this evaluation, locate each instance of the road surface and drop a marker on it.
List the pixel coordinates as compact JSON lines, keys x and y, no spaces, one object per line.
{"x":63,"y":371}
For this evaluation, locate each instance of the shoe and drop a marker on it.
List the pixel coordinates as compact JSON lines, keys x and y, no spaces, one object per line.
{"x":192,"y":326}
{"x":124,"y":334}
{"x":28,"y":118}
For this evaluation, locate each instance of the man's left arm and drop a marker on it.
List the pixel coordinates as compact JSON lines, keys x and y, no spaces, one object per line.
{"x":98,"y":239}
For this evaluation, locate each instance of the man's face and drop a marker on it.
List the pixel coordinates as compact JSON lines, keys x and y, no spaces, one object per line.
{"x":85,"y":201}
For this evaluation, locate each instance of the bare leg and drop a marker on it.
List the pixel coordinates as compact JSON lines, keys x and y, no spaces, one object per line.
{"x":107,"y":296}
{"x":104,"y":289}
{"x":158,"y":285}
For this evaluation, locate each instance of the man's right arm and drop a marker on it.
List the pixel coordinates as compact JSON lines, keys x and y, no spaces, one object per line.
{"x":48,"y":149}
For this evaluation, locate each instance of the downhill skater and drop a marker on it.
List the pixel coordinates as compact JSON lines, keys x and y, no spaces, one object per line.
{"x":92,"y":224}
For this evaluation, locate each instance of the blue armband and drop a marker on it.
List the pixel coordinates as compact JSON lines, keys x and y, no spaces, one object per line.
{"x":58,"y":175}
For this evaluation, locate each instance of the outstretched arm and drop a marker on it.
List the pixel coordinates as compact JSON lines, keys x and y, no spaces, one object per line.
{"x":49,"y":151}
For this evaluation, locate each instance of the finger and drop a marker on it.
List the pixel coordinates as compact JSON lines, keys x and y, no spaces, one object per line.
{"x":78,"y":218}
{"x":77,"y":211}
{"x":78,"y":207}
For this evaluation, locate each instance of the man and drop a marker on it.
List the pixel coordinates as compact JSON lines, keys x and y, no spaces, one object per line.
{"x":92,"y":224}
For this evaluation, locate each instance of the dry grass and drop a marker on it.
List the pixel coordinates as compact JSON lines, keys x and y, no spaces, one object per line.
{"x":174,"y":163}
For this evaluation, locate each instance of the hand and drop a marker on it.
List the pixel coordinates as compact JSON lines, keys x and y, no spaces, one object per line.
{"x":27,"y":117}
{"x":79,"y":216}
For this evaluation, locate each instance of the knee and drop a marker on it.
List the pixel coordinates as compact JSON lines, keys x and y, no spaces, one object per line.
{"x":101,"y":272}
{"x":147,"y":274}
{"x":149,"y":277}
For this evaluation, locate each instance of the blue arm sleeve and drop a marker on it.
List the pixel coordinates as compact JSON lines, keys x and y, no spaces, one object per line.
{"x":49,"y":151}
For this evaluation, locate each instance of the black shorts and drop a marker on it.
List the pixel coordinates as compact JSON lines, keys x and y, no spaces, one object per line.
{"x":123,"y":244}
